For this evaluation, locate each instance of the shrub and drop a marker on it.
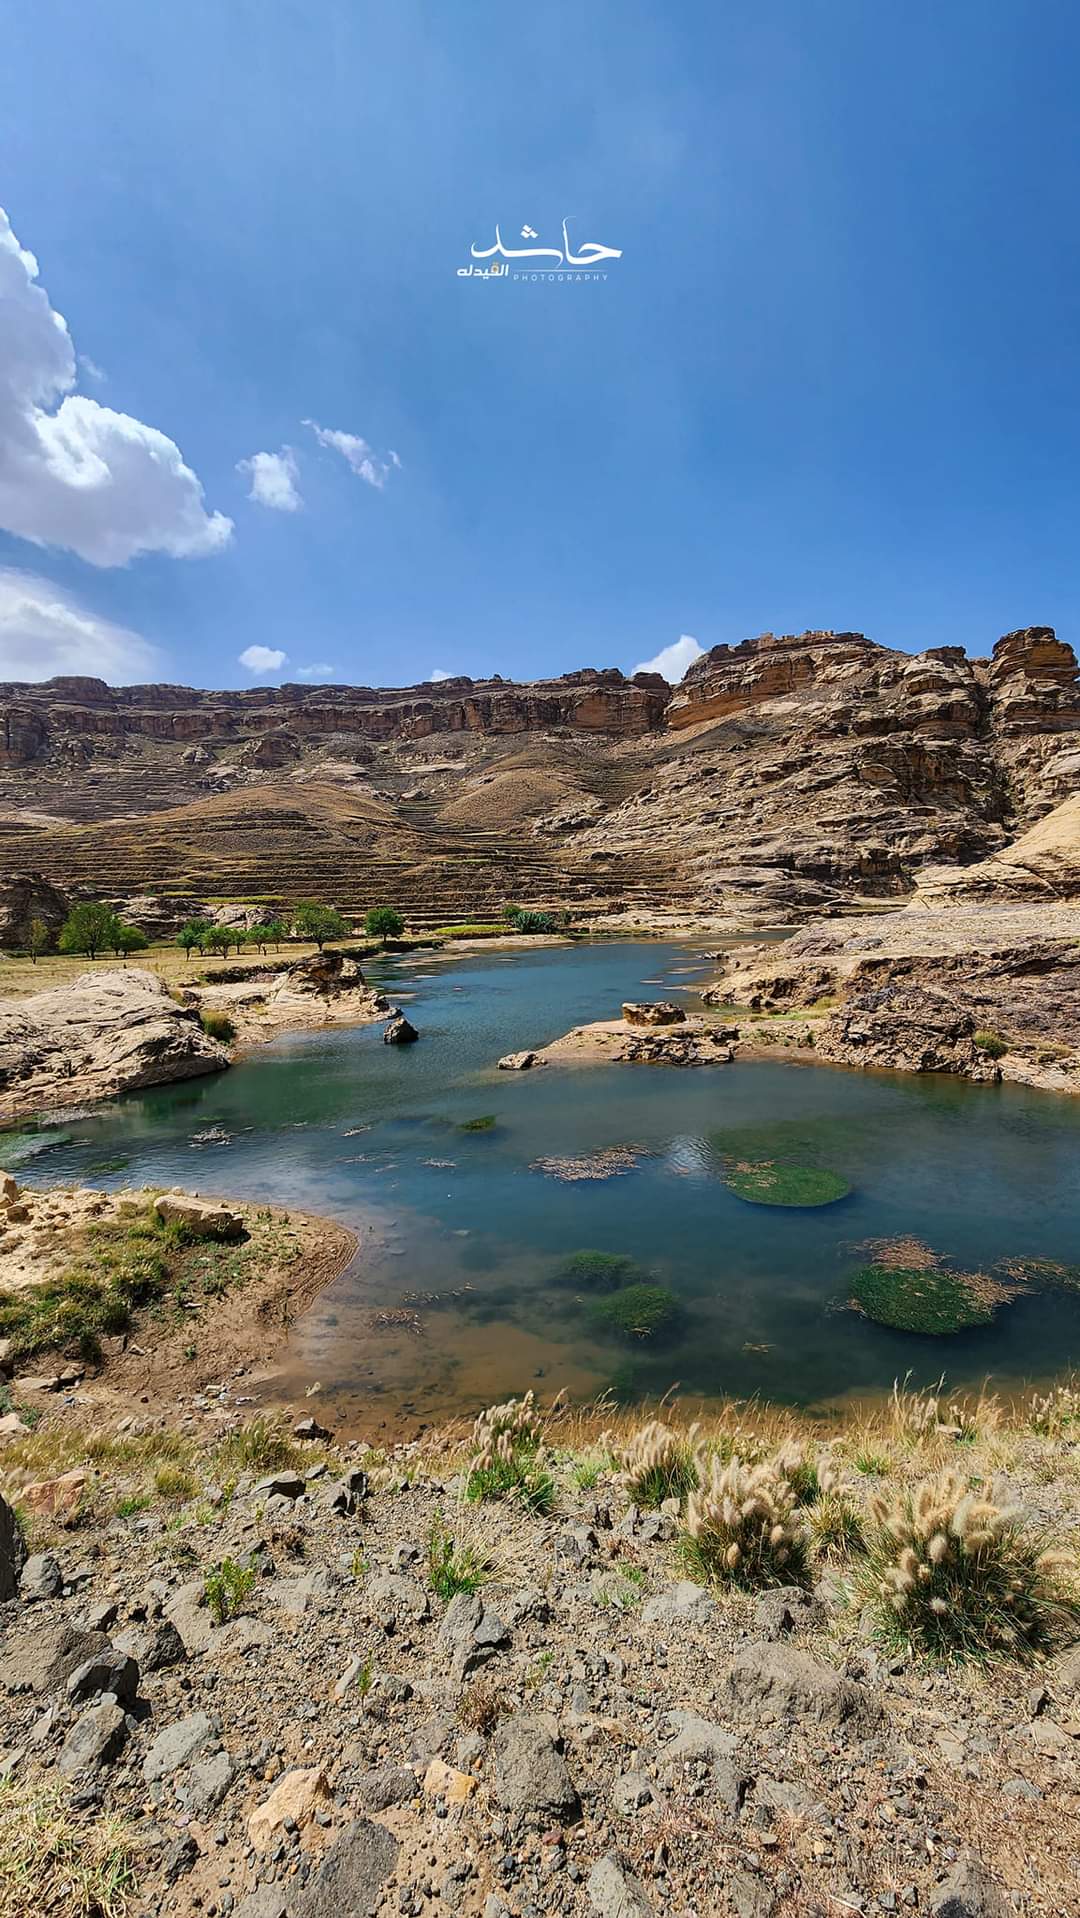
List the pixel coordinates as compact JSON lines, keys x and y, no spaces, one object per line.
{"x":992,"y":1043}
{"x":597,"y":1271}
{"x":1055,"y":1413}
{"x":637,"y":1312}
{"x":836,"y":1525}
{"x":509,"y":1460}
{"x":218,"y":1025}
{"x":768,"y":1183}
{"x":741,"y":1526}
{"x":658,"y":1463}
{"x":227,"y":1586}
{"x":37,"y":939}
{"x":524,"y":920}
{"x":453,"y":1568}
{"x":173,"y":1483}
{"x":952,"y":1574}
{"x":257,"y":1446}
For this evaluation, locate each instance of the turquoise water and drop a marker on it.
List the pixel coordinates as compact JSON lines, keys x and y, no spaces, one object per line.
{"x":464,"y":1237}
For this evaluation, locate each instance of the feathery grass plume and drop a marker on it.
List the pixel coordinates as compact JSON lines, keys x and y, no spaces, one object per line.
{"x":794,"y":1463}
{"x":1056,"y":1413}
{"x":658,"y":1463}
{"x":742,"y":1525}
{"x":952,"y":1574}
{"x":834,"y":1518}
{"x":916,"y":1415}
{"x":510,"y":1460}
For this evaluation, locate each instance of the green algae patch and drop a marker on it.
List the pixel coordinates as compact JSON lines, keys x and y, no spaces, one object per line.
{"x":769,"y":1182}
{"x":485,"y":1123}
{"x":598,"y":1271}
{"x":637,"y":1312}
{"x":910,"y":1289}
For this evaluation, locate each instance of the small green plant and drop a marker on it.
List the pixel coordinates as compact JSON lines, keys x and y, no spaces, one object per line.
{"x":992,"y":1043}
{"x":218,"y":1025}
{"x":453,"y":1568}
{"x":365,"y":1677}
{"x":741,"y":1526}
{"x":620,"y":1590}
{"x":133,"y":1503}
{"x":523,"y":919}
{"x":227,"y":1586}
{"x":637,"y":1312}
{"x":586,"y":1473}
{"x":171,"y":1482}
{"x":951,"y":1574}
{"x":658,"y":1464}
{"x":509,"y":1460}
{"x":358,"y":1565}
{"x":872,"y":1464}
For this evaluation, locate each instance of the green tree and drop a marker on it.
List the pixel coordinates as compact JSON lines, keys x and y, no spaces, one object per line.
{"x":189,"y":937}
{"x":258,"y":936}
{"x":37,"y":939}
{"x":221,"y":938}
{"x":124,"y":939}
{"x":88,"y":928}
{"x":318,"y":923}
{"x":276,"y":930}
{"x":382,"y":922}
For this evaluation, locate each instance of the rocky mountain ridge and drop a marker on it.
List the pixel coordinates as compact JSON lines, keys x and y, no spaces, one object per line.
{"x":783,"y":776}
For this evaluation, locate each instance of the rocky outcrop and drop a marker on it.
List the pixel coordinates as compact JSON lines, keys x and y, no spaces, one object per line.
{"x":1043,"y":864}
{"x":106,"y":1032}
{"x":981,"y":991}
{"x":25,"y":896}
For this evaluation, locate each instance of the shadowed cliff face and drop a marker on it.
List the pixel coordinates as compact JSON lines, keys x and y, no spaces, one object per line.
{"x":785,"y":775}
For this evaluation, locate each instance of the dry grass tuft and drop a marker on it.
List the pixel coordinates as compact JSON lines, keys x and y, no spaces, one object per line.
{"x":53,"y":1862}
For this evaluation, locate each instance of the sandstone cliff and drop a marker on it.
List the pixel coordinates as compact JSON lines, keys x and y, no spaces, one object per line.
{"x":784,"y":776}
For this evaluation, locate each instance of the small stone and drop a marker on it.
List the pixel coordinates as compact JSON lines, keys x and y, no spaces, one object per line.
{"x":616,"y":1893}
{"x":295,"y":1798}
{"x":970,"y":1892}
{"x":12,"y":1550}
{"x":175,"y":1745}
{"x":108,"y":1671}
{"x":530,"y":1774}
{"x":41,"y":1578}
{"x":352,"y":1873}
{"x":57,"y":1498}
{"x":310,"y":1429}
{"x":94,"y":1740}
{"x":442,"y":1781}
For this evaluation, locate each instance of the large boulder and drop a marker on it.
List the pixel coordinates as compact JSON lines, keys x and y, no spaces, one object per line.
{"x":199,"y":1218}
{"x":399,"y":1032}
{"x":105,"y":1032}
{"x":12,"y":1551}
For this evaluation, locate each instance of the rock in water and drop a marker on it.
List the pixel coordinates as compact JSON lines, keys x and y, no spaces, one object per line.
{"x":105,"y":1032}
{"x":399,"y":1032}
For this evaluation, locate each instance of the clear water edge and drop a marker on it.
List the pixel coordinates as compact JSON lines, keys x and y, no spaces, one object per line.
{"x":457,"y":1231}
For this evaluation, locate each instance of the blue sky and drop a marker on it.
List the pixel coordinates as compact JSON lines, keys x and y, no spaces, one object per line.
{"x":832,"y":381}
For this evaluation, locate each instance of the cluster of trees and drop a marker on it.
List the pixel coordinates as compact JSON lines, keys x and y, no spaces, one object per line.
{"x":308,"y":921}
{"x":91,"y":928}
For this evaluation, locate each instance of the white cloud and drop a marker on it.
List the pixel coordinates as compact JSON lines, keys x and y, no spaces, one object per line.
{"x":262,"y":659}
{"x":437,"y":673}
{"x":273,"y":479}
{"x":320,"y":670}
{"x":45,"y":633}
{"x":365,"y":463}
{"x":84,"y":477}
{"x":673,"y":660}
{"x":91,"y":368}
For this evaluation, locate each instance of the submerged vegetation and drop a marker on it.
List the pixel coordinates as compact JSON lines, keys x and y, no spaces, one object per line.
{"x":598,"y":1271}
{"x":770,"y":1182}
{"x":637,"y":1312}
{"x":909,"y":1288}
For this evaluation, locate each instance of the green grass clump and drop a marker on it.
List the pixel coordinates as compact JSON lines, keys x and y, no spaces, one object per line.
{"x":770,"y":1183}
{"x":173,"y":1483}
{"x":227,"y":1586}
{"x":950,"y":1574}
{"x":992,"y":1043}
{"x":637,"y":1312}
{"x":509,"y":1460}
{"x":742,"y":1528}
{"x":915,"y":1299}
{"x":659,"y":1463}
{"x":257,"y":1446}
{"x":453,"y":1568}
{"x":125,"y":1264}
{"x":597,"y":1271}
{"x":469,"y":932}
{"x":218,"y":1025}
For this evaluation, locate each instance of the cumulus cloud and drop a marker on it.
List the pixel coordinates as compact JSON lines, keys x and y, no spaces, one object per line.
{"x":673,"y":660}
{"x":45,"y":633}
{"x":437,"y":674}
{"x":273,"y":479}
{"x":356,"y":452}
{"x":262,"y":659}
{"x":320,"y":670}
{"x":74,"y":473}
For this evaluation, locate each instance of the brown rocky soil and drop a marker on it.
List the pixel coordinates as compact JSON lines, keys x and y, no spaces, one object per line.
{"x":782,"y":777}
{"x":588,"y":1735}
